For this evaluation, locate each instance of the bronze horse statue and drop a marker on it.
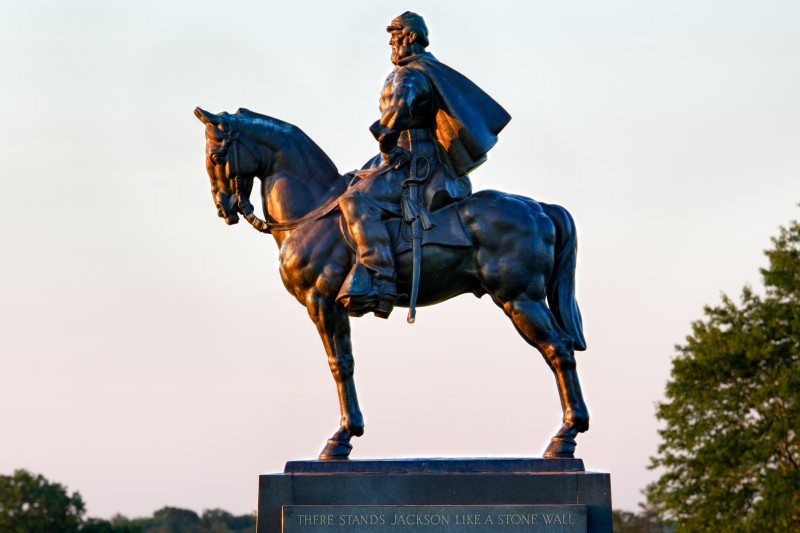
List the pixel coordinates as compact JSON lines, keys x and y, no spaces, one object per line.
{"x":520,"y":252}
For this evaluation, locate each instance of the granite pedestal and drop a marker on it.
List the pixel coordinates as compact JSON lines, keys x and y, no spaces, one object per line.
{"x":435,"y":495}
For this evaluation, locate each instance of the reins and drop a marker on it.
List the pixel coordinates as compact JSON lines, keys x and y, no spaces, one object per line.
{"x":239,"y":185}
{"x":246,"y":208}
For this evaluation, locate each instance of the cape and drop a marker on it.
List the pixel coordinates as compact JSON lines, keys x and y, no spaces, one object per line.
{"x":468,"y":119}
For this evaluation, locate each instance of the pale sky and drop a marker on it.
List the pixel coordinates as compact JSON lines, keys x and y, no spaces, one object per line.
{"x":150,"y":354}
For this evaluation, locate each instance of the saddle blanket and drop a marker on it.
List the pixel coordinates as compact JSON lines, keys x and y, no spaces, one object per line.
{"x":449,"y":231}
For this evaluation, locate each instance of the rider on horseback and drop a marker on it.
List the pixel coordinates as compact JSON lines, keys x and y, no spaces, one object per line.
{"x":435,"y":127}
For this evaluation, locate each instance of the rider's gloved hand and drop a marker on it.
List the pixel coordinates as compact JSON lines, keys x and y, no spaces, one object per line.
{"x":397,"y":157}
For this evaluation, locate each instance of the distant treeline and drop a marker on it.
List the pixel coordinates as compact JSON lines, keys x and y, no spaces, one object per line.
{"x":29,"y":503}
{"x":174,"y":520}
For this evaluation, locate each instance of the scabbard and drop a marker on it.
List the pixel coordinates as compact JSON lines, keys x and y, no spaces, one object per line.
{"x":416,"y":231}
{"x":416,"y":265}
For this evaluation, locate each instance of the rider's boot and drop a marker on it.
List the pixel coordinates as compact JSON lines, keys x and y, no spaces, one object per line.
{"x":370,"y":285}
{"x":361,"y":293}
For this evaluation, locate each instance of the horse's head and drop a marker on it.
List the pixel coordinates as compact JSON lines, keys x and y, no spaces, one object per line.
{"x":228,"y":155}
{"x":296,"y":174}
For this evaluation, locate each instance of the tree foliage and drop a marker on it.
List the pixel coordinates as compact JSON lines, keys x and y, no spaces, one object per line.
{"x":643,"y":522}
{"x":175,"y":520}
{"x":730,"y":455}
{"x":31,"y":504}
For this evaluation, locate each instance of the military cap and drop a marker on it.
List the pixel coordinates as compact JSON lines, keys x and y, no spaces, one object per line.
{"x":411,"y":22}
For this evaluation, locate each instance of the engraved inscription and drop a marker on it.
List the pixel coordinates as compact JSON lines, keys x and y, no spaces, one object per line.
{"x":413,"y":519}
{"x":439,"y":518}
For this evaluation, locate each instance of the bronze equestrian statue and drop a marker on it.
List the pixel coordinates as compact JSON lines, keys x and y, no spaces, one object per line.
{"x":406,"y":229}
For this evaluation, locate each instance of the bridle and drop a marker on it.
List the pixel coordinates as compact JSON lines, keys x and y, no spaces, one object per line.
{"x":236,"y":141}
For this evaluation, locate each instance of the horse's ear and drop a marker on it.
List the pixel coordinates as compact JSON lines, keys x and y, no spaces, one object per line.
{"x":209,"y":119}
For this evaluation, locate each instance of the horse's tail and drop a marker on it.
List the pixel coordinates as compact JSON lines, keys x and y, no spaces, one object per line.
{"x":561,"y":287}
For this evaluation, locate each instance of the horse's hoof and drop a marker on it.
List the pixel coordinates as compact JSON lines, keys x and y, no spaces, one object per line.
{"x":336,"y":450}
{"x":560,"y":448}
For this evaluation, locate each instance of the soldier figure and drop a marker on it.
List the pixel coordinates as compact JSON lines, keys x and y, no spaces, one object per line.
{"x":435,"y":127}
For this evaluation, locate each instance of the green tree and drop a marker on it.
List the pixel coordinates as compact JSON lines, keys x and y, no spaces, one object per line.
{"x":117,"y":524}
{"x":629,"y":522}
{"x":175,"y":520}
{"x":729,"y":454}
{"x":220,"y":521}
{"x":31,"y":504}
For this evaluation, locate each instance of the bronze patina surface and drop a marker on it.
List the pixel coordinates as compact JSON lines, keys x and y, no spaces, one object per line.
{"x":406,"y":229}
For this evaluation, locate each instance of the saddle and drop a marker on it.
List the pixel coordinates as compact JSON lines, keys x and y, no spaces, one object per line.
{"x":448,"y":232}
{"x":411,"y":225}
{"x":439,"y":196}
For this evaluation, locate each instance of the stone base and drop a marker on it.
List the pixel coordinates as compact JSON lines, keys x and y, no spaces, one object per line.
{"x":437,"y":495}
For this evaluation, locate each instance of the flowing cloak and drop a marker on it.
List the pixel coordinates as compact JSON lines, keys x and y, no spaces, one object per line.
{"x":467,"y":121}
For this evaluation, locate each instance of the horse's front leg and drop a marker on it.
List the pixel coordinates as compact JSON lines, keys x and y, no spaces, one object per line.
{"x":333,"y":325}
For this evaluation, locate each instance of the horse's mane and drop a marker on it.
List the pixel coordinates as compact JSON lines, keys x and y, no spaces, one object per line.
{"x":308,"y":148}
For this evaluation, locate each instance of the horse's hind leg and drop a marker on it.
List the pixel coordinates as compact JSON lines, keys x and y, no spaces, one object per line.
{"x":537,"y":325}
{"x":333,"y":325}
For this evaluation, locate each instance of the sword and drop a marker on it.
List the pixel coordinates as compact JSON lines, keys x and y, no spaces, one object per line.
{"x":412,"y":215}
{"x":416,"y":253}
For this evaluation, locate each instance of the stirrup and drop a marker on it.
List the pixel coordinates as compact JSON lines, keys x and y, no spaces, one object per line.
{"x":360,"y":294}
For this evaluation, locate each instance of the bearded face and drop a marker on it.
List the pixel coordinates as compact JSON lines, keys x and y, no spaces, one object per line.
{"x":401,"y":46}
